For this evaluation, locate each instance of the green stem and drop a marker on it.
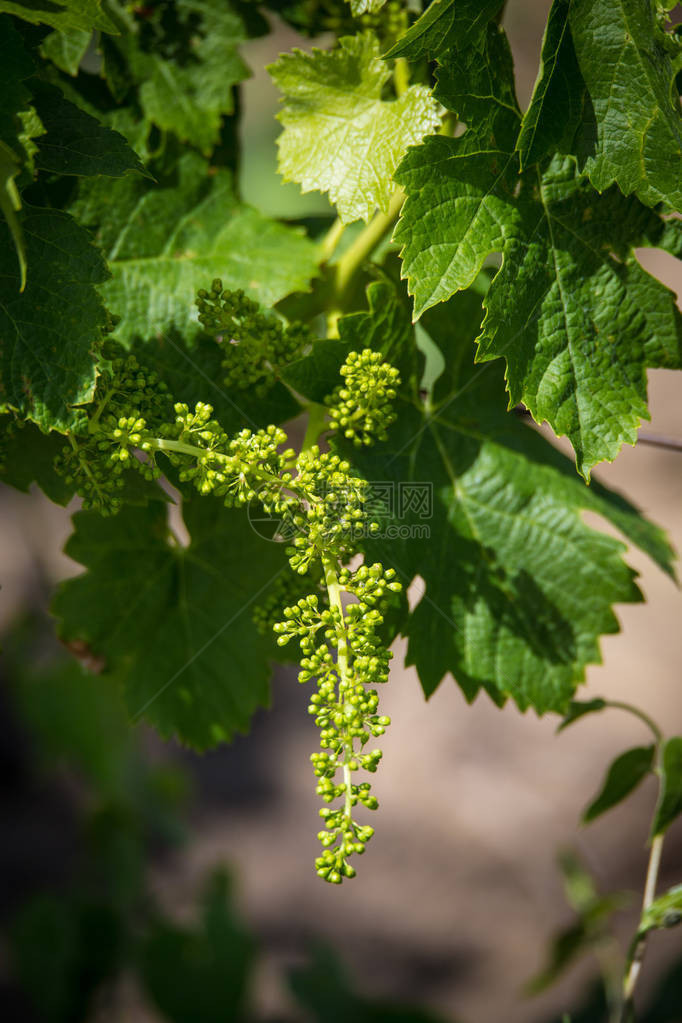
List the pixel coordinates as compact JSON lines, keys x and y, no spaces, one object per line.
{"x":637,"y":958}
{"x":331,"y":240}
{"x":334,"y":592}
{"x":631,"y":709}
{"x":356,"y":254}
{"x":401,"y":76}
{"x":84,"y":463}
{"x":165,"y":444}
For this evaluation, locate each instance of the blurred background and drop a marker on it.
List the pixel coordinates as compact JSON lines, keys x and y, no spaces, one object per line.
{"x":460,"y":892}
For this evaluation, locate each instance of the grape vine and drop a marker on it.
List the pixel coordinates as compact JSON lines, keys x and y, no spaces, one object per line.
{"x":361,"y":375}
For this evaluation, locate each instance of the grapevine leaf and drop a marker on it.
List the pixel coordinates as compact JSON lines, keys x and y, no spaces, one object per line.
{"x":166,"y":241}
{"x":516,"y":587}
{"x":66,"y":49}
{"x":27,"y":456}
{"x":575,"y":316}
{"x":61,"y":14}
{"x":579,"y":708}
{"x":636,"y":141}
{"x":173,"y":622}
{"x":556,"y":106}
{"x":670,"y":803}
{"x":48,"y":331}
{"x":665,"y":911}
{"x":339,"y":135}
{"x":444,"y":24}
{"x":189,"y":93}
{"x":460,"y":203}
{"x":76,"y":143}
{"x":623,"y":776}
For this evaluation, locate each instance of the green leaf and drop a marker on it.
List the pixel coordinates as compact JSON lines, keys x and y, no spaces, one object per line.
{"x":76,"y":143}
{"x":460,"y":203}
{"x":61,"y":14}
{"x":665,"y":911}
{"x":49,"y":331}
{"x":632,"y":129}
{"x":27,"y":456}
{"x":516,"y":587}
{"x":623,"y":776}
{"x":173,"y":623}
{"x":579,"y":708}
{"x":444,"y":24}
{"x":670,"y":803}
{"x":165,"y":241}
{"x":575,"y":316}
{"x":186,"y":70}
{"x":339,"y":135}
{"x":556,"y":106}
{"x":66,"y":49}
{"x":200,"y":975}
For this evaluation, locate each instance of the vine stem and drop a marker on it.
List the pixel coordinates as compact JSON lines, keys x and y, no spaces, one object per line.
{"x":632,"y":975}
{"x":331,"y":240}
{"x":642,"y":715}
{"x":334,"y":591}
{"x":356,"y":254}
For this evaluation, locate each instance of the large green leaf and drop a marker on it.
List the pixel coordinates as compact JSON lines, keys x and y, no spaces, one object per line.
{"x":460,"y":192}
{"x":446,"y":23}
{"x":62,"y":14}
{"x":571,"y":310}
{"x":575,"y":316}
{"x":49,"y":331}
{"x":76,"y":143}
{"x":339,"y":135}
{"x":632,"y":127}
{"x":165,"y":241}
{"x":174,"y":622}
{"x":184,"y":59}
{"x":606,"y":91}
{"x":516,"y":587}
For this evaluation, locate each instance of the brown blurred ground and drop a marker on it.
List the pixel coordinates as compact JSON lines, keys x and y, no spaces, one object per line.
{"x":459,"y":891}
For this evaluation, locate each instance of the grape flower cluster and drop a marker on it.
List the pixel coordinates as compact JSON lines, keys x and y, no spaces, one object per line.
{"x":361,"y":408}
{"x":255,"y":344}
{"x":345,"y":705}
{"x":133,"y":421}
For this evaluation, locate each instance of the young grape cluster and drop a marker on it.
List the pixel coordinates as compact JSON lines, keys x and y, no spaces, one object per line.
{"x":362,"y":407}
{"x":345,"y":705}
{"x":255,"y":344}
{"x":321,"y":503}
